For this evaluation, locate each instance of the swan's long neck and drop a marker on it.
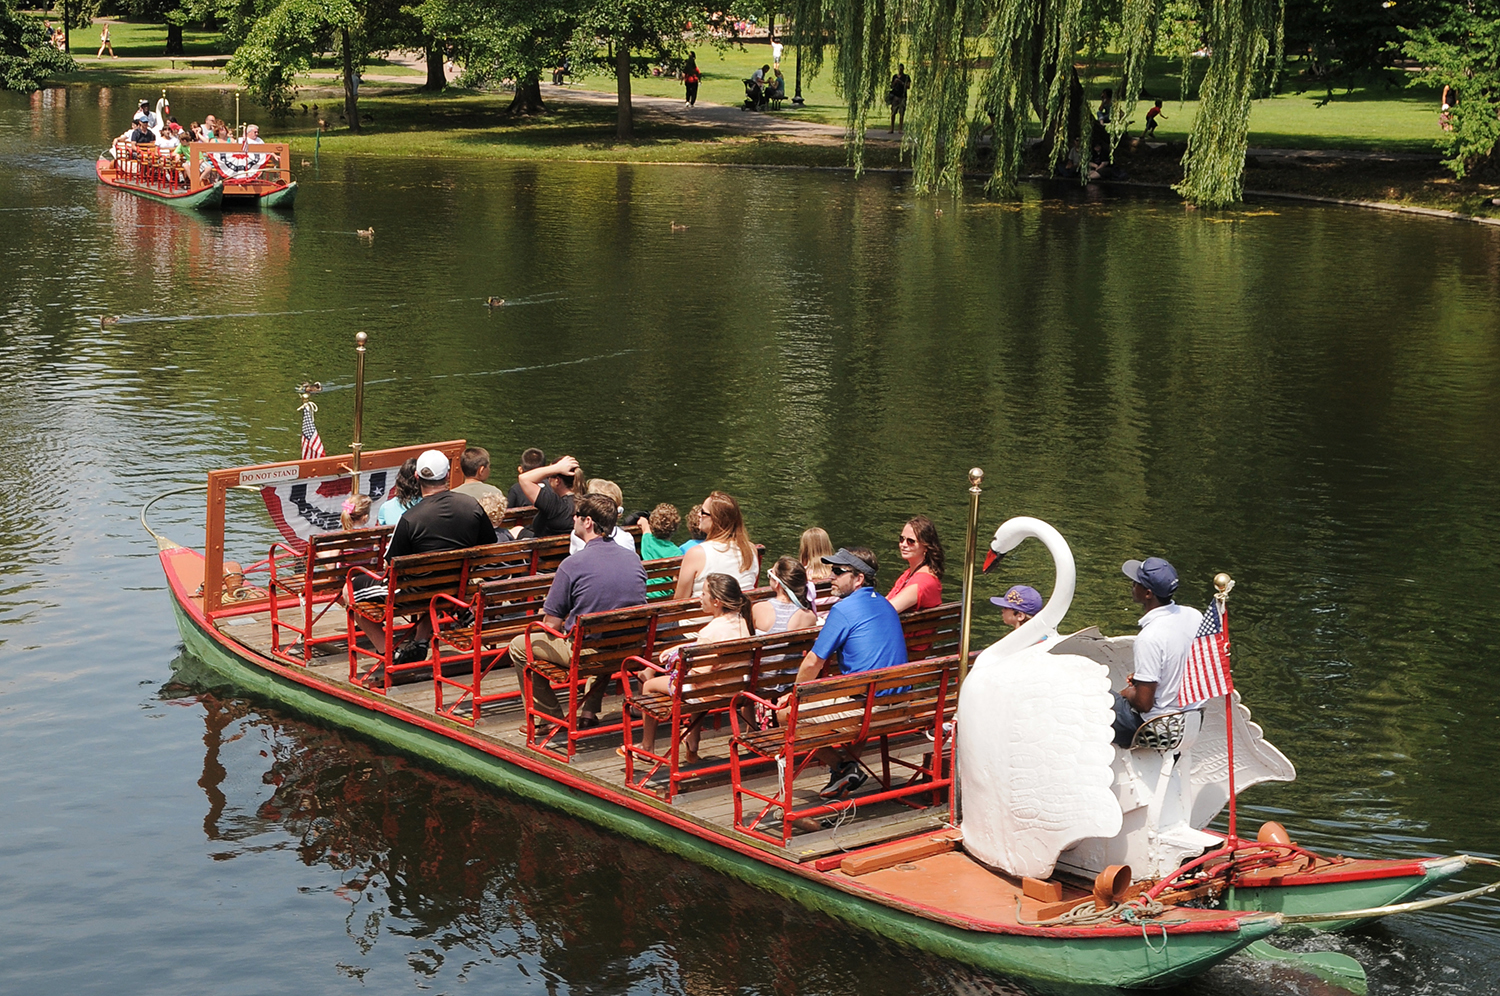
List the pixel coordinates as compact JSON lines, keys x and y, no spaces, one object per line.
{"x":1044,"y":623}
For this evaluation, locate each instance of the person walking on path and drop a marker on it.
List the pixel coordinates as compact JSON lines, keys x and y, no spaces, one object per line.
{"x":691,"y":78}
{"x":896,"y":97}
{"x":104,"y":43}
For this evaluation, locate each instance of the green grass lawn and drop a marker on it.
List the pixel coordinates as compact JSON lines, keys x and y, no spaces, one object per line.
{"x":1371,"y":116}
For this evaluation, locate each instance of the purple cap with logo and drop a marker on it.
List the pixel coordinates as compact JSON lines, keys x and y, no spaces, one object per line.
{"x":1022,"y":598}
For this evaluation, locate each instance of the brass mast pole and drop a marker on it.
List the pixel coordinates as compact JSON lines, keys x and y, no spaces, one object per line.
{"x":355,"y":447}
{"x":976,"y":477}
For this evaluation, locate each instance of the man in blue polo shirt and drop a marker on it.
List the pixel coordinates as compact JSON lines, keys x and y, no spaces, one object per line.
{"x":865,"y":631}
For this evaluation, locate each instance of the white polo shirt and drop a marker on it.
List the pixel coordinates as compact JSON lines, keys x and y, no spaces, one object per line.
{"x":1161,"y":652}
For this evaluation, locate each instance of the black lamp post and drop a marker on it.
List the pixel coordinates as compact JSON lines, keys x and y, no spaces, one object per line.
{"x":797,"y":100}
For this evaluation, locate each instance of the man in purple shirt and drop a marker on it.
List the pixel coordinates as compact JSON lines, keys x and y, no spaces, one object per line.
{"x":602,"y":576}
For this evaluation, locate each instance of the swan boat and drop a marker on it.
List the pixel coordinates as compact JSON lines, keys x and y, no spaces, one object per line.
{"x":1023,"y":872}
{"x":202,"y":175}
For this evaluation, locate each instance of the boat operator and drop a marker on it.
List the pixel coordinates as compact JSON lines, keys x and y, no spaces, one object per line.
{"x":1161,"y":651}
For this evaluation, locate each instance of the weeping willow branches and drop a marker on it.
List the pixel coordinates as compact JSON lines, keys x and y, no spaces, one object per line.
{"x":1023,"y":55}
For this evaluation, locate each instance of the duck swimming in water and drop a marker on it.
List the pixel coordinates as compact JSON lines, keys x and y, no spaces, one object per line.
{"x":365,"y":233}
{"x":105,"y":321}
{"x":496,"y":302}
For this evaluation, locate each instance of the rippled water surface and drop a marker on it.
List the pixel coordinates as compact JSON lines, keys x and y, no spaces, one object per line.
{"x":1304,"y":397}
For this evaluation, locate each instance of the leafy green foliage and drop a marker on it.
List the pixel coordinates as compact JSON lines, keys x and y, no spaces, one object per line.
{"x":1463,"y":53}
{"x":282,"y":42}
{"x":24,"y":59}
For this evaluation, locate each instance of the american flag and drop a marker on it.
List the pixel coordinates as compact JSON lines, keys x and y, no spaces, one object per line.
{"x":1207,"y":673}
{"x":312,"y":444}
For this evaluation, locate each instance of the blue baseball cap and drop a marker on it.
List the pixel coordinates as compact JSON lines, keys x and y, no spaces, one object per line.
{"x":1022,"y":598}
{"x":1154,"y":574}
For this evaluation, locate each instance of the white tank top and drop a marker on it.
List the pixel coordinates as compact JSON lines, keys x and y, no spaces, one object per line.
{"x":721,"y":558}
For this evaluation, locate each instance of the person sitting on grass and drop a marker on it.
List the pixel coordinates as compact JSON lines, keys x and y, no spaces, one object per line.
{"x":729,"y":618}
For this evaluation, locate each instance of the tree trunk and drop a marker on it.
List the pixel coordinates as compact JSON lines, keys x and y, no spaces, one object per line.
{"x":174,"y":39}
{"x":437,"y":79}
{"x":624,"y":124}
{"x":528,"y":98}
{"x":351,"y":94}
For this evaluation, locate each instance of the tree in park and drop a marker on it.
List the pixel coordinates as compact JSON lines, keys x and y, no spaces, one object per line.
{"x":24,"y":60}
{"x":282,"y":40}
{"x":637,"y":32}
{"x":1032,"y":47}
{"x":504,"y":39}
{"x":1461,"y":51}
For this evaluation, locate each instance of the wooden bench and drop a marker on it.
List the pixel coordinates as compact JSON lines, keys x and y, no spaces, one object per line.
{"x":760,"y":662}
{"x":600,"y":643}
{"x":846,"y":711}
{"x":413,"y":581}
{"x":739,"y":665}
{"x":517,"y":518}
{"x":314,"y":580}
{"x":498,"y":610}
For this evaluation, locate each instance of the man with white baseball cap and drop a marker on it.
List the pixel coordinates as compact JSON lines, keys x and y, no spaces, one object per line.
{"x":1161,"y":651}
{"x":442,"y":520}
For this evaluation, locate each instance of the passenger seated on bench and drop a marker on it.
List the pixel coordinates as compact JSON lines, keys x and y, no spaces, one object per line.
{"x":494,"y":507}
{"x":442,"y":520}
{"x":610,"y":490}
{"x":1018,"y":604}
{"x":865,"y":631}
{"x":598,"y":578}
{"x":1161,"y":651}
{"x":729,"y":619}
{"x":405,"y":493}
{"x":777,"y":89}
{"x":356,"y":513}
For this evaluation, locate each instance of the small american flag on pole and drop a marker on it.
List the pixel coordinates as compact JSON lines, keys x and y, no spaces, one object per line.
{"x":312,"y":444}
{"x":1207,"y":673}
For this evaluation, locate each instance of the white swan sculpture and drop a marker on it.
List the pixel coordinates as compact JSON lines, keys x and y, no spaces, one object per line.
{"x":1041,"y":783}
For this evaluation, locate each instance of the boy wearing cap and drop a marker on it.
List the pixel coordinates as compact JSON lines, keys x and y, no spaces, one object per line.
{"x":1161,"y":651}
{"x":1018,"y":604}
{"x":864,"y":629}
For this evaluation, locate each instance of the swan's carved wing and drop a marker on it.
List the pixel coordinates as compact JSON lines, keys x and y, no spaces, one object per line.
{"x":1034,"y":759}
{"x":1255,"y":760}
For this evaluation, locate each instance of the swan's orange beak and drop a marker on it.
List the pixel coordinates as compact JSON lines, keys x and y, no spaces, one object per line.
{"x":990,"y":560}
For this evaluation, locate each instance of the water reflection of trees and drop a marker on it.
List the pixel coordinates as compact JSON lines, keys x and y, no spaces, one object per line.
{"x":464,"y":876}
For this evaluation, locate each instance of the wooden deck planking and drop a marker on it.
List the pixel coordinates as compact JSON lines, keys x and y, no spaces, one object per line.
{"x":710,"y":803}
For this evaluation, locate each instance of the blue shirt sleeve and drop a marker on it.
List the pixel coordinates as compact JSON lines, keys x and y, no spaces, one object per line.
{"x":833,"y":634}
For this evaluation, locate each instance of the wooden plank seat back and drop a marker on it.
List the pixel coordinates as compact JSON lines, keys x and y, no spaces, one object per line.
{"x":761,"y":662}
{"x":518,"y":518}
{"x":843,"y":711}
{"x":314,"y":580}
{"x":412,"y":582}
{"x":498,"y":611}
{"x":600,"y":643}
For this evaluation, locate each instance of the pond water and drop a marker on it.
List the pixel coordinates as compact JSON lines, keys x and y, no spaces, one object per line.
{"x":1304,"y":397}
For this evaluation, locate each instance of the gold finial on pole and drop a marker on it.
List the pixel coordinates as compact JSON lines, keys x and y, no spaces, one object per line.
{"x":357,"y":446}
{"x":976,"y":477}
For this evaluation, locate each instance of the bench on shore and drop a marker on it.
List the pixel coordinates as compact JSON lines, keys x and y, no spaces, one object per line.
{"x":847,"y":711}
{"x":314,"y":579}
{"x":497,"y":612}
{"x":414,"y":580}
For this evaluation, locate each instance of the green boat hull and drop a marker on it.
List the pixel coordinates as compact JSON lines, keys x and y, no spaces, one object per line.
{"x":1312,"y":899}
{"x":283,"y":198}
{"x":1143,"y":960}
